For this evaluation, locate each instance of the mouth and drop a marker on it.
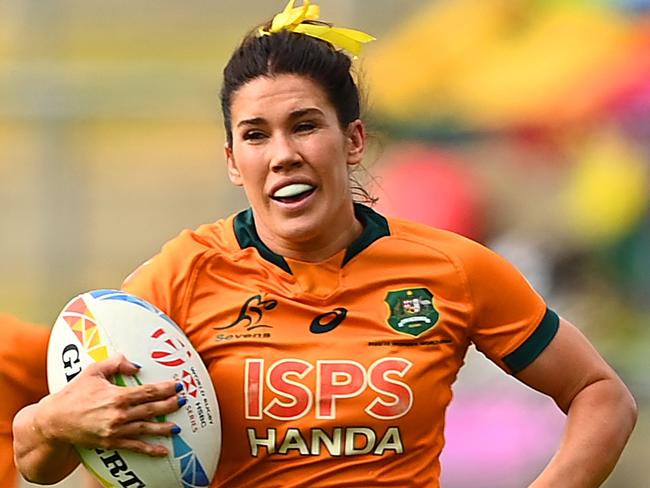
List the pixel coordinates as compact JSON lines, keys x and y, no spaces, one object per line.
{"x":293,"y":193}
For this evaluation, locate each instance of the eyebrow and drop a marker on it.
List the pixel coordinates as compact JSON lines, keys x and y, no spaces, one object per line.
{"x":296,"y":114}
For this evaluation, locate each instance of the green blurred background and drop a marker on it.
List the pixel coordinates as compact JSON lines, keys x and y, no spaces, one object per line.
{"x":522,"y":124}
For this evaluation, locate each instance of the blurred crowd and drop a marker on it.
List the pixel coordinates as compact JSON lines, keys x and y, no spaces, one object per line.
{"x":526,"y":125}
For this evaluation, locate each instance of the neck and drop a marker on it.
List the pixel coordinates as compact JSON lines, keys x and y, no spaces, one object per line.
{"x":317,"y":250}
{"x":331,"y":239}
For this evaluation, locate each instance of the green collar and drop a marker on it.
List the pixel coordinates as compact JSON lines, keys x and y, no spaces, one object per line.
{"x":375,"y":226}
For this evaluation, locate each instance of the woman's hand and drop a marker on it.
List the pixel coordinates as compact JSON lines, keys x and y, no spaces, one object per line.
{"x":98,"y":413}
{"x":92,"y":412}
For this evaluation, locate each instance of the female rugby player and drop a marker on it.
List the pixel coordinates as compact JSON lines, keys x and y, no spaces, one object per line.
{"x":332,"y":334}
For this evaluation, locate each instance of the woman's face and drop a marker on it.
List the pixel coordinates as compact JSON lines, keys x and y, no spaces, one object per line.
{"x":292,"y":158}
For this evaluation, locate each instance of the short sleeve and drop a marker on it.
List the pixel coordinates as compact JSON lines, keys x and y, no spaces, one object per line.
{"x":511,"y":323}
{"x":23,"y":353}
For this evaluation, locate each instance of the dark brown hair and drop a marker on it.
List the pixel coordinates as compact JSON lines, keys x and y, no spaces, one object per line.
{"x":287,"y":52}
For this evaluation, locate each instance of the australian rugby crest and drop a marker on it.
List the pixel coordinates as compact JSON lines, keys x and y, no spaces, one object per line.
{"x":411,"y":310}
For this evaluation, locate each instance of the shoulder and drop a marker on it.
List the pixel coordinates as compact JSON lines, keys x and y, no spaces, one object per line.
{"x":215,"y":236}
{"x":212,"y":238}
{"x":481,"y":271}
{"x":181,"y":254}
{"x":407,"y":243}
{"x":168,"y":277}
{"x":456,"y":248}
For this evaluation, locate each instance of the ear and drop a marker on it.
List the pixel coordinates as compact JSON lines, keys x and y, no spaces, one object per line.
{"x":231,"y":166}
{"x":356,"y":138}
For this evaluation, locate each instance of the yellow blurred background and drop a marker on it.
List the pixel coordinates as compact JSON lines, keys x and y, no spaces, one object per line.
{"x":524,"y":124}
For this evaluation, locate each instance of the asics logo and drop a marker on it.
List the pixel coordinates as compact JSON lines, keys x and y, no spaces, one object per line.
{"x":328,"y":321}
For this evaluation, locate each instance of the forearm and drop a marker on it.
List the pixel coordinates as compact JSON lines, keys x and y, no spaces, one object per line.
{"x":599,"y":422}
{"x":40,"y":458}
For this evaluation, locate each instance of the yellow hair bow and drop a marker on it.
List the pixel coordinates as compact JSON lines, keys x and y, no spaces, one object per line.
{"x":292,"y":18}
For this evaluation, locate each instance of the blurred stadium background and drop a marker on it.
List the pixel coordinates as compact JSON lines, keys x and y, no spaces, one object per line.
{"x":524,"y":124}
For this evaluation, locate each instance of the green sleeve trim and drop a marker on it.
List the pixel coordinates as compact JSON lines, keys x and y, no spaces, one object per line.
{"x":526,"y":353}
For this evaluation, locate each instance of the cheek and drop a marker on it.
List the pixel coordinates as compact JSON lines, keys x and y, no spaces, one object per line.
{"x":333,"y":160}
{"x":341,"y":172}
{"x":253,"y":181}
{"x":248,"y":165}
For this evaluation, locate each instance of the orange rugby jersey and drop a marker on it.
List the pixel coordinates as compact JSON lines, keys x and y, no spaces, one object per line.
{"x":339,"y":373}
{"x":23,"y":350}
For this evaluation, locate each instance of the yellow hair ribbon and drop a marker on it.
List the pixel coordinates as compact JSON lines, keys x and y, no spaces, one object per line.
{"x":292,"y":18}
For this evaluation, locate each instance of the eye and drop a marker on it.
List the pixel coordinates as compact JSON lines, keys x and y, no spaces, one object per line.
{"x":253,"y":135}
{"x":305,"y":126}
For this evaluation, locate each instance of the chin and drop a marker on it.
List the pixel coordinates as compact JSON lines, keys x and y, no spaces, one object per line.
{"x":298,"y":233}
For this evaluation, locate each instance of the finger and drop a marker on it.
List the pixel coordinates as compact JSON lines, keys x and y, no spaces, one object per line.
{"x":140,"y":446}
{"x":126,"y":367}
{"x":152,"y":392}
{"x":140,"y":428}
{"x":116,"y":364}
{"x":151,"y":410}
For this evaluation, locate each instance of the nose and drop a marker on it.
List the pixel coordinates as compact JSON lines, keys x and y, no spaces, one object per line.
{"x":284,"y":154}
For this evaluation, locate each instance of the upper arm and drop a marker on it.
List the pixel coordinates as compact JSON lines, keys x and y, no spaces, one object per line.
{"x":509,"y":321}
{"x":567,"y":365}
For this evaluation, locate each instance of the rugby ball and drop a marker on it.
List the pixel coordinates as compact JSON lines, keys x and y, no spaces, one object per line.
{"x":100,"y":323}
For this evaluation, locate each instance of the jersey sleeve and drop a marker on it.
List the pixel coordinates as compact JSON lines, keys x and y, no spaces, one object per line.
{"x":23,"y":352}
{"x":165,"y":279}
{"x":511,"y":324}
